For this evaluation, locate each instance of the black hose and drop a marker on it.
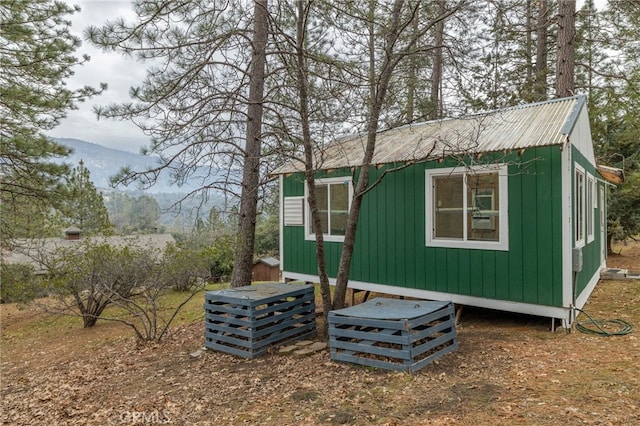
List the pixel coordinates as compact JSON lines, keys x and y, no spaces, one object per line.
{"x":623,"y":327}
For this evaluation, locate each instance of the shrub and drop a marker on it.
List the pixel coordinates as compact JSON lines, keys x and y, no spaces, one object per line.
{"x":19,"y":284}
{"x":219,"y":257}
{"x":88,"y":278}
{"x":134,"y":281}
{"x":181,"y":268}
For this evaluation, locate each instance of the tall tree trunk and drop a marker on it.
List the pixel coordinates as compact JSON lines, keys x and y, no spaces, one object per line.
{"x":565,"y":71}
{"x":303,"y":93}
{"x":541,"y":52}
{"x":529,"y":42}
{"x":241,"y":275}
{"x":379,"y":87}
{"x":436,"y":75}
{"x":412,"y":81}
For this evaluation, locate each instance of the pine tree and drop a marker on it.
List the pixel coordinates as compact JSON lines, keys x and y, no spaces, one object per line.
{"x":83,"y":205}
{"x":565,"y":69}
{"x":613,"y":81}
{"x":36,"y":58}
{"x":243,"y":262}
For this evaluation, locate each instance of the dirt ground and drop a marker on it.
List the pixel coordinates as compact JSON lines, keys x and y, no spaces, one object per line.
{"x":509,"y":369}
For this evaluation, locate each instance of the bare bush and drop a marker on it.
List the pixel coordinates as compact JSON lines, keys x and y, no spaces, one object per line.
{"x":133,"y":282}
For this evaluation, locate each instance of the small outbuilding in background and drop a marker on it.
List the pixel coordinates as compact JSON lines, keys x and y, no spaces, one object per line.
{"x":266,"y":269}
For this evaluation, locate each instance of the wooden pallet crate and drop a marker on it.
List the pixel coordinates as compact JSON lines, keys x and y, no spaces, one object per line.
{"x":246,"y":321}
{"x":393,"y":334}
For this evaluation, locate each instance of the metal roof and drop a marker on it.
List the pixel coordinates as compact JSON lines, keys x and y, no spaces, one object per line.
{"x":269,"y":261}
{"x":533,"y":125}
{"x":611,"y":174}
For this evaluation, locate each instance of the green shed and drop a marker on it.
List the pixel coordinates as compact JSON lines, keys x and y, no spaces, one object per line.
{"x":502,"y":210}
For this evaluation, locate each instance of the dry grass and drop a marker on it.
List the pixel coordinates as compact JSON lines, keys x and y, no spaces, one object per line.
{"x":509,"y":369}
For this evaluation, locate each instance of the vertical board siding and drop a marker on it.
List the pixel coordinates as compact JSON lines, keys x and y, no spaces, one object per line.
{"x":502,"y":290}
{"x":591,"y":250}
{"x":390,"y":244}
{"x":544,"y":228}
{"x":453,"y":270}
{"x":477,"y":276}
{"x":516,"y":228}
{"x":488,"y":274}
{"x":556,"y":225}
{"x":530,"y":230}
{"x":411,"y":231}
{"x":466,"y":274}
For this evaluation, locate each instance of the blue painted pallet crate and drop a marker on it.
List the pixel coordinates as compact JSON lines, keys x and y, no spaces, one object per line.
{"x":393,"y":334}
{"x":245,"y":321}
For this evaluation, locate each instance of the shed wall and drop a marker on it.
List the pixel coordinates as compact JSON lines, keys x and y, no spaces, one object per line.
{"x":591,"y":252}
{"x":390,"y":243}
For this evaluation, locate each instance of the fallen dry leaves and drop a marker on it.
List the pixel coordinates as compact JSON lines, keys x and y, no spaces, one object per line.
{"x":509,"y":369}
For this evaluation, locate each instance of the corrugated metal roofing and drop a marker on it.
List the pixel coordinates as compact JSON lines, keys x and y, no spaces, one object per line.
{"x":533,"y":125}
{"x":269,"y":261}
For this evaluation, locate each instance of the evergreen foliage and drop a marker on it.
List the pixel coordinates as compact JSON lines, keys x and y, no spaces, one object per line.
{"x":36,"y":58}
{"x":83,"y":206}
{"x":133,"y":214}
{"x":19,"y":284}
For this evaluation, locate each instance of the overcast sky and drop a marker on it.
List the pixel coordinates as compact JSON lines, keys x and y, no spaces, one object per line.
{"x":119,"y":72}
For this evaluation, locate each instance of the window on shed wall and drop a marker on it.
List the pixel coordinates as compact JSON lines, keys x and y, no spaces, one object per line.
{"x":333,"y":199}
{"x":590,"y":205}
{"x":467,"y":208}
{"x":579,"y":206}
{"x":448,"y":214}
{"x":483,"y":199}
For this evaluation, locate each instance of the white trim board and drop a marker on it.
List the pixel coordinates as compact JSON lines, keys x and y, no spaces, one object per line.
{"x":563,"y":313}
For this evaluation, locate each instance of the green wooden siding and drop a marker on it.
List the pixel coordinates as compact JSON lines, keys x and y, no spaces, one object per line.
{"x":591,"y":250}
{"x":390,"y":244}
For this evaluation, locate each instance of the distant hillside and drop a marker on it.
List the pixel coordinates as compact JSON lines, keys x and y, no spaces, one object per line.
{"x":103,"y":163}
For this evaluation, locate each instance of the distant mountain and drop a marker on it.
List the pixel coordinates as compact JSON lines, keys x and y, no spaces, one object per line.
{"x":103,"y":163}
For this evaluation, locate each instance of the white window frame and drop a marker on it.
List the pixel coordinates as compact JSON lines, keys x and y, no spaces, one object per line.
{"x":308,"y":227}
{"x":503,"y":208}
{"x":590,"y":206}
{"x":579,"y":207}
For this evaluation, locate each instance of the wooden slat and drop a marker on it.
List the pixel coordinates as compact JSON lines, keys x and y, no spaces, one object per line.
{"x":369,"y":341}
{"x":377,"y":323}
{"x":430,"y":331}
{"x":227,"y":338}
{"x":228,"y":309}
{"x":227,"y":319}
{"x":378,"y":337}
{"x":246,"y":325}
{"x":431,"y":344}
{"x":371,"y":349}
{"x":369,"y":362}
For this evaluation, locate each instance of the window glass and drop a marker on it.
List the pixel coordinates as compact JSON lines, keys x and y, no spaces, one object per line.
{"x":339,"y":202}
{"x":322,"y":198}
{"x":590,"y":207}
{"x":333,"y":198}
{"x":483,"y":222}
{"x":448,"y":204}
{"x":579,"y":205}
{"x":467,"y":207}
